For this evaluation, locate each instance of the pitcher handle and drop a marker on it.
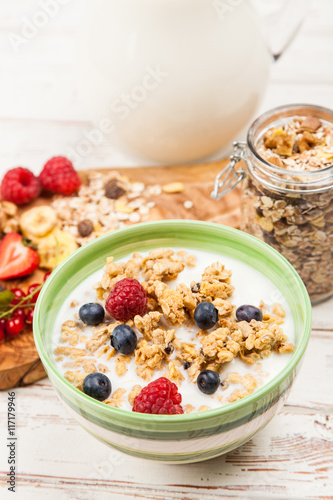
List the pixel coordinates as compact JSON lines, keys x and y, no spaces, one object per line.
{"x":282,"y":20}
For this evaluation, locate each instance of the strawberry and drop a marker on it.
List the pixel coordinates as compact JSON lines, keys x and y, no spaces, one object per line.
{"x":16,"y":259}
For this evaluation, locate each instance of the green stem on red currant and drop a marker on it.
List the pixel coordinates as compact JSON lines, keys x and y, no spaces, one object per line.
{"x":22,"y":303}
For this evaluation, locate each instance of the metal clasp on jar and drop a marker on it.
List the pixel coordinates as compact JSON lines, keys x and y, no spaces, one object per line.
{"x":229,"y":177}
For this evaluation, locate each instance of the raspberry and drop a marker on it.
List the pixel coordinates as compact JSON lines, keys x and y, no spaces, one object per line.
{"x":159,"y":397}
{"x":20,"y":186}
{"x":126,"y":299}
{"x":59,"y":176}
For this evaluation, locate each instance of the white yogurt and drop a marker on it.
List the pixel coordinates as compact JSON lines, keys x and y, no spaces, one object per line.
{"x":251,"y":287}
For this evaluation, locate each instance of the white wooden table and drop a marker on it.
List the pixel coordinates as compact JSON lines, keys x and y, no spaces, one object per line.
{"x":293,"y":456}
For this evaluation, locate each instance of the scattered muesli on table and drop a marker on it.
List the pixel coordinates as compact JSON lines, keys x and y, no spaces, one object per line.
{"x":105,"y":203}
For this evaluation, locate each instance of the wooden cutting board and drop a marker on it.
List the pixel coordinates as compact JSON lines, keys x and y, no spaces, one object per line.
{"x":19,"y":361}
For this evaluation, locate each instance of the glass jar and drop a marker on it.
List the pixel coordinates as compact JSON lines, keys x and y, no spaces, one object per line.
{"x":291,"y":210}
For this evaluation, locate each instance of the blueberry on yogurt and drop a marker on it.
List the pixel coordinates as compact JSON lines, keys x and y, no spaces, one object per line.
{"x":97,"y":385}
{"x":248,"y":313}
{"x":205,"y":315}
{"x":124,"y":339}
{"x":208,"y":381}
{"x":92,"y":314}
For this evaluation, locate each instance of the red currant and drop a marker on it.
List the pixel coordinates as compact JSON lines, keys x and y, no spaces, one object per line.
{"x":47,"y":275}
{"x":2,"y":333}
{"x":3,"y":323}
{"x":14,"y":326}
{"x":19,"y":295}
{"x":31,"y":288}
{"x":19,"y":313}
{"x":30,"y":316}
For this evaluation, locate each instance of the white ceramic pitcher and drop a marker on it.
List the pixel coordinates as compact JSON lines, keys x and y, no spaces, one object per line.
{"x":173,"y":80}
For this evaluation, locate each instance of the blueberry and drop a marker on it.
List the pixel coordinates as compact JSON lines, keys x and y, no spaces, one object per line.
{"x":208,"y":381}
{"x":205,"y":315}
{"x":247,"y":313}
{"x":97,"y":385}
{"x":91,"y":314}
{"x":123,"y":339}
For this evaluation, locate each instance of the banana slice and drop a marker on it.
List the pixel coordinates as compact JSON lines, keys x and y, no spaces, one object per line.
{"x":38,"y":222}
{"x":55,"y":248}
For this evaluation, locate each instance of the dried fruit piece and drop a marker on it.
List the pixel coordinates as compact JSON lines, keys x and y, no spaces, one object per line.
{"x":311,"y":123}
{"x":38,"y":222}
{"x":280,"y":141}
{"x":55,"y":248}
{"x":122,"y":207}
{"x":307,"y":141}
{"x":173,"y":187}
{"x":85,"y":228}
{"x":114,"y":190}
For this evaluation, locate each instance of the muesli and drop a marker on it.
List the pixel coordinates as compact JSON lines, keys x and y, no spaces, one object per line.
{"x":107,"y":201}
{"x":297,"y":224}
{"x":189,"y":331}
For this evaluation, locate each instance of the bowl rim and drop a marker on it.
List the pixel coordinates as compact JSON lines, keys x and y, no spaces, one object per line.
{"x":225,"y":409}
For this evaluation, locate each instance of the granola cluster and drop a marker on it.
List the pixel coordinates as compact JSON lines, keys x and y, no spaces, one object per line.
{"x":300,"y":144}
{"x":297,"y":224}
{"x":163,"y":347}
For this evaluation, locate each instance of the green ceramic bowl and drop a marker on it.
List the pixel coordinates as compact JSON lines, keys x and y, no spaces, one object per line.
{"x":174,"y":438}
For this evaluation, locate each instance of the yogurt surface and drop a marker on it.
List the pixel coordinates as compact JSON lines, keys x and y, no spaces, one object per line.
{"x":251,"y":287}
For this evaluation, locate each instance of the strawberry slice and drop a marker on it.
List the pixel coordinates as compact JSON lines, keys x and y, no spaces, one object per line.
{"x":16,"y":259}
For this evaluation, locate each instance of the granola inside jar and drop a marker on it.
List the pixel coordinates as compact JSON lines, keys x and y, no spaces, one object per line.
{"x":287,"y":198}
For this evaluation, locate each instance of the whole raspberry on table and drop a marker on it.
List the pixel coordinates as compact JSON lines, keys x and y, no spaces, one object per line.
{"x":126,"y":299}
{"x":59,"y":176}
{"x":160,"y":397}
{"x":20,"y":186}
